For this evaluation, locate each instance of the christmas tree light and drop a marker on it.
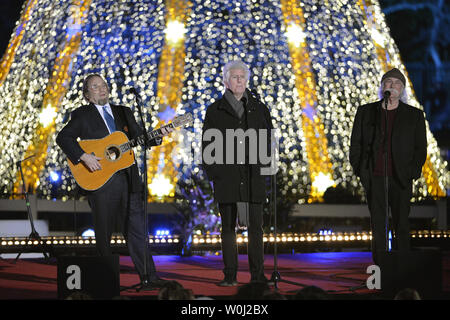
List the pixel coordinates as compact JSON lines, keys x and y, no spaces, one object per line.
{"x":313,"y":63}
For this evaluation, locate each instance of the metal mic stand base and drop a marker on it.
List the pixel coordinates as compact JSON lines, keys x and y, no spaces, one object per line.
{"x":34,"y":236}
{"x":276,"y":278}
{"x":144,"y":285}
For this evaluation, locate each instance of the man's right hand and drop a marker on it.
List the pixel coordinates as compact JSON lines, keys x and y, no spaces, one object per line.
{"x":91,"y":161}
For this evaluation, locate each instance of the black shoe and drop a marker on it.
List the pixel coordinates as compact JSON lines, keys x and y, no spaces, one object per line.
{"x":153,"y":284}
{"x":227,"y":283}
{"x":263,"y":280}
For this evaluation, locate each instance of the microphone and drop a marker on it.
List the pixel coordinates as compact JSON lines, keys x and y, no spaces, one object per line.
{"x":386,"y":95}
{"x":255,"y":94}
{"x":134,"y":91}
{"x":244,"y":101}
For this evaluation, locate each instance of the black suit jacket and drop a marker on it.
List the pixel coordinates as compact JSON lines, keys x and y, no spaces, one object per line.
{"x":409,"y":142}
{"x":227,"y":178}
{"x":87,"y":123}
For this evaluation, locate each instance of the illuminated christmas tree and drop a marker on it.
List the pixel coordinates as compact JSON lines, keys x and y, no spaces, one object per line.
{"x":312,"y":62}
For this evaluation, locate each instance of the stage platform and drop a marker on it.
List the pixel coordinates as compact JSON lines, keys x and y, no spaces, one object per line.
{"x":339,"y":273}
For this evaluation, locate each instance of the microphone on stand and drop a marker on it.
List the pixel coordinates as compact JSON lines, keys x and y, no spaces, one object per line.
{"x":244,"y":101}
{"x":133,"y":90}
{"x":255,"y":94}
{"x":386,"y":95}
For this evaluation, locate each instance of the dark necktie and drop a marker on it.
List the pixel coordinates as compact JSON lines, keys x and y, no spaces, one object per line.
{"x":109,"y":120}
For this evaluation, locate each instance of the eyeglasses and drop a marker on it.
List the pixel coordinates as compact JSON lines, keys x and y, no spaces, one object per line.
{"x":98,"y":87}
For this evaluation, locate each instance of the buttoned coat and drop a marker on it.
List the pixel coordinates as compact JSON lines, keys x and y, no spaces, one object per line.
{"x":233,"y":181}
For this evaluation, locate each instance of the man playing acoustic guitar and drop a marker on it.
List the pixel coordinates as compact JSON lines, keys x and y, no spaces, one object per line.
{"x":120,"y":198}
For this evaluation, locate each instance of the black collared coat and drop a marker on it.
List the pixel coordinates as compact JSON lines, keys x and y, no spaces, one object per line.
{"x":409,"y":142}
{"x":235,"y":182}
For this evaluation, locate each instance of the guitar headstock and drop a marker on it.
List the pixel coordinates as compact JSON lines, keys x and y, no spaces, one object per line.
{"x":184,"y":120}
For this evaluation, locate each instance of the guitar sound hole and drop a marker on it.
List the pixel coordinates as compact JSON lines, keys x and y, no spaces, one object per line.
{"x":112,"y":153}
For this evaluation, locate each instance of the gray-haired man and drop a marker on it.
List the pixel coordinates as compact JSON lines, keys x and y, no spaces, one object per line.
{"x":239,"y":186}
{"x":402,"y":139}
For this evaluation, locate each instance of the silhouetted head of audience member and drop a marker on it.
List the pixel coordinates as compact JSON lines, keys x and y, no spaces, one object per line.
{"x":204,"y":298}
{"x":173,"y":290}
{"x":273,"y":295}
{"x":79,"y":295}
{"x":118,"y":298}
{"x":311,"y":293}
{"x":252,"y":291}
{"x":407,"y":294}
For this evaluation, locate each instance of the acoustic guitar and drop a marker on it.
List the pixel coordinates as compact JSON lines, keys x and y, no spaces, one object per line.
{"x":116,"y":153}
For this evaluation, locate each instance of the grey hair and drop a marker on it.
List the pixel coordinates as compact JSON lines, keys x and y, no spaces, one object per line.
{"x":403,"y":96}
{"x":236,"y":64}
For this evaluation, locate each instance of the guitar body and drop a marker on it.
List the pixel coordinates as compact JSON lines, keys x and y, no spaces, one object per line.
{"x":113,"y":160}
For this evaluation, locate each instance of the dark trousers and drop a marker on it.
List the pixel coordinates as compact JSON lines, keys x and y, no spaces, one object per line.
{"x":399,"y":203}
{"x":113,"y":204}
{"x":255,"y":248}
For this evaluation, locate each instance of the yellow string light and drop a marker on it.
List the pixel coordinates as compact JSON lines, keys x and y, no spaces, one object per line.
{"x":170,"y":83}
{"x":172,"y":53}
{"x":313,"y":133}
{"x":55,"y":91}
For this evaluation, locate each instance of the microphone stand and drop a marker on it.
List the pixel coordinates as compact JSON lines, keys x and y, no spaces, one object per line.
{"x":276,"y":276}
{"x":34,"y":235}
{"x":145,"y":282}
{"x":385,"y":169}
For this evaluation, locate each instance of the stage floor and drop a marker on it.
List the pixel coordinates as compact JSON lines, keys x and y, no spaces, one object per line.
{"x":335,"y":272}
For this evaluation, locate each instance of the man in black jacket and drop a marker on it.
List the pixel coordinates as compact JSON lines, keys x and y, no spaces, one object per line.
{"x":120,"y":199}
{"x":239,"y":185}
{"x":405,"y":147}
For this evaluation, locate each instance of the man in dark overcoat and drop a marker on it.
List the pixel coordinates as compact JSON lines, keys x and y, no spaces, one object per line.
{"x":387,"y":151}
{"x":233,"y":149}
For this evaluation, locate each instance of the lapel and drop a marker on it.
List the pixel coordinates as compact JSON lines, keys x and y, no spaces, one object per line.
{"x":399,"y":119}
{"x":252,"y":102}
{"x":117,"y":114}
{"x":97,"y":120}
{"x":225,"y":105}
{"x":374,"y":122}
{"x":376,"y":115}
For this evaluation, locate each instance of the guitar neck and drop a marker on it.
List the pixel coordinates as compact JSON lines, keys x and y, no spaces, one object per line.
{"x":157,"y":133}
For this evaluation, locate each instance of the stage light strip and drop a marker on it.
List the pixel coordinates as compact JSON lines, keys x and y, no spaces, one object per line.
{"x":320,"y":167}
{"x":78,"y":241}
{"x":314,"y":237}
{"x":56,"y":89}
{"x":202,"y":241}
{"x":290,"y":237}
{"x":389,"y":57}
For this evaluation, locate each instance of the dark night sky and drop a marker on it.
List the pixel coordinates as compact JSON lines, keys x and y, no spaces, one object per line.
{"x":9,"y":13}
